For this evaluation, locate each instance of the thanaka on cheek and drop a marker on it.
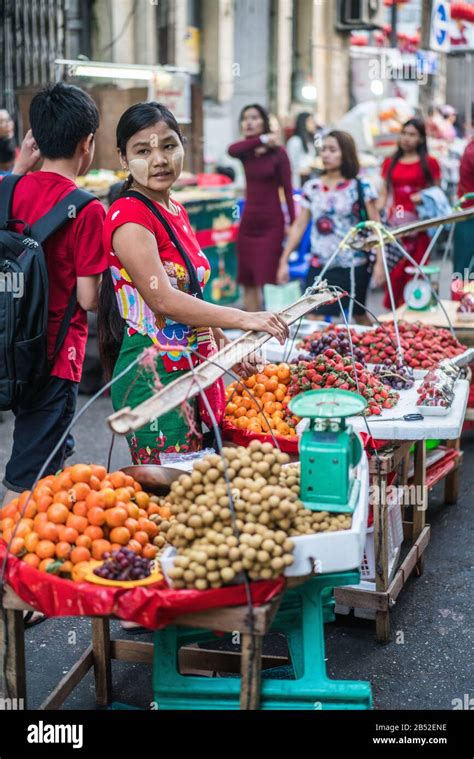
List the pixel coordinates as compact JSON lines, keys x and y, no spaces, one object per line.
{"x":139,"y":170}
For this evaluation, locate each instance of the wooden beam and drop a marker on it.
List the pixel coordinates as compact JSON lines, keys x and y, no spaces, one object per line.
{"x":12,"y":647}
{"x":102,"y":660}
{"x":132,"y":650}
{"x":204,"y":659}
{"x":233,"y":619}
{"x":362,"y":599}
{"x":409,"y":563}
{"x":126,"y":419}
{"x":250,"y":671}
{"x":77,"y":672}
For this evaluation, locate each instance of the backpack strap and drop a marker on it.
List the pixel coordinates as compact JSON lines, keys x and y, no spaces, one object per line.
{"x":193,"y":280}
{"x":363,"y":215}
{"x":60,"y":214}
{"x":7,"y":186}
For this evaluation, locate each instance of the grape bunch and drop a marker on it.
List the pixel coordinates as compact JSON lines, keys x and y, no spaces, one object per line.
{"x":124,"y":564}
{"x":397,"y":375}
{"x":338,"y":340}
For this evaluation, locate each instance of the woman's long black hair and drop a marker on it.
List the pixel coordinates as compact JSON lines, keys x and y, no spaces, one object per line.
{"x":263,"y":113}
{"x":301,"y":131}
{"x":110,"y":324}
{"x":422,"y":151}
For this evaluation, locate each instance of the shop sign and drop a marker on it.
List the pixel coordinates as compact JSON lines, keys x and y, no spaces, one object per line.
{"x":440,"y":23}
{"x":173,"y":89}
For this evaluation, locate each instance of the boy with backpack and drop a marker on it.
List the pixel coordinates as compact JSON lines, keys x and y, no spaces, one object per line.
{"x":56,"y":258}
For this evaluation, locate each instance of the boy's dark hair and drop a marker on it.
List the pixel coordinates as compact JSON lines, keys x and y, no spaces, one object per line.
{"x":7,"y":150}
{"x":61,"y":115}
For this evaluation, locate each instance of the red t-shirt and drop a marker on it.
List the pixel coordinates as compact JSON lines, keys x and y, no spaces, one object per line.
{"x":138,"y":315}
{"x":406,"y":179}
{"x":466,"y":174}
{"x":74,"y":251}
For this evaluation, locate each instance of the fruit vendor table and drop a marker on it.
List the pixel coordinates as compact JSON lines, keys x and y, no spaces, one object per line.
{"x":391,"y":466}
{"x":103,"y":649}
{"x":436,"y":318}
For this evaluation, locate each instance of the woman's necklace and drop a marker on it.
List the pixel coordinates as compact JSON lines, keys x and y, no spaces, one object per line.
{"x":173,"y":208}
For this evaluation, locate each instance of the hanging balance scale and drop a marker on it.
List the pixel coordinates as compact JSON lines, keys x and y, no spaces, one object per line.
{"x":329,"y":449}
{"x":418,"y":292}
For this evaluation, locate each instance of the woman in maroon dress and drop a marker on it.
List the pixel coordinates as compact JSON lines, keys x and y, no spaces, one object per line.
{"x":262,"y":228}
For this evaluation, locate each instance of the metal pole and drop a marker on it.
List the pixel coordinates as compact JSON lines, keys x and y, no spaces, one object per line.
{"x":393,"y":22}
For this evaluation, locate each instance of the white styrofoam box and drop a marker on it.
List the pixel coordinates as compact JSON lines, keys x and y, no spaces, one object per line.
{"x":327,"y":551}
{"x":335,"y":551}
{"x":395,"y":540}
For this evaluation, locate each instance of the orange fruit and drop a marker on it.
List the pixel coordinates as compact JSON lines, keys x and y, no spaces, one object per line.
{"x":132,"y":525}
{"x":17,"y":546}
{"x":65,"y":568}
{"x":78,"y":522}
{"x":58,"y":513}
{"x":7,"y":534}
{"x":31,"y":510}
{"x":94,"y":532}
{"x":266,"y":397}
{"x":8,"y":523}
{"x":43,"y":503}
{"x":250,"y":381}
{"x":32,"y":559}
{"x":133,"y":510}
{"x":242,"y":422}
{"x":259,"y":389}
{"x":43,"y":566}
{"x":230,"y":410}
{"x":61,"y":496}
{"x":246,"y":403}
{"x":45,"y":549}
{"x":148,"y":526}
{"x":142,"y":537}
{"x":135,"y":546}
{"x":96,"y":516}
{"x":142,"y":499}
{"x":80,"y":509}
{"x":95,"y":483}
{"x":165,"y":512}
{"x":63,"y":550}
{"x":117,"y":479}
{"x":142,"y":513}
{"x":153,"y":508}
{"x":269,"y":408}
{"x":40,"y":519}
{"x":149,"y":551}
{"x":99,"y":547}
{"x":48,"y":531}
{"x":80,"y":554}
{"x":283,"y":428}
{"x":98,"y":471}
{"x":23,"y":498}
{"x":251,"y":413}
{"x":120,"y":535}
{"x":109,"y":497}
{"x":94,"y":499}
{"x":68,"y":534}
{"x":22,"y":529}
{"x":271,"y":385}
{"x":254,"y":426}
{"x":283,"y":373}
{"x":79,"y":491}
{"x":80,"y":472}
{"x":61,"y":482}
{"x":270,"y":370}
{"x":241,"y":411}
{"x":84,"y":541}
{"x":123,"y":494}
{"x":115,"y":546}
{"x":116,"y":517}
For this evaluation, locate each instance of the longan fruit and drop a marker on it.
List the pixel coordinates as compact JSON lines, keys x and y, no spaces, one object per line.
{"x":211,"y":564}
{"x":189,"y":576}
{"x":213,"y":576}
{"x":227,"y":574}
{"x":201,"y":584}
{"x":263,"y":557}
{"x":212,"y":474}
{"x":237,"y":566}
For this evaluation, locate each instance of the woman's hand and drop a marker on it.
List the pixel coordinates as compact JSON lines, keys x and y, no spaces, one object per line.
{"x":264,"y":321}
{"x":271,"y":140}
{"x":378,"y":274}
{"x":283,"y":274}
{"x":28,"y":156}
{"x":251,"y":364}
{"x":415,"y":198}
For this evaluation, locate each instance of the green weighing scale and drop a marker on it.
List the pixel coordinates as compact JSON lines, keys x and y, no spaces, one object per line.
{"x":329,"y":449}
{"x":418,"y":294}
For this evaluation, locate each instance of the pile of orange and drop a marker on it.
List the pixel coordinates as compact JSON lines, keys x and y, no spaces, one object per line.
{"x":78,"y":515}
{"x":260,"y":402}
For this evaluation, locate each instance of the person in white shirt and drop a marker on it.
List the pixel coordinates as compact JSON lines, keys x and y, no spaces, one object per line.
{"x":301,"y":149}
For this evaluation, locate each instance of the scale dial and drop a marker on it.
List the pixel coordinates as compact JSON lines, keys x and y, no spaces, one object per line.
{"x":327,"y":404}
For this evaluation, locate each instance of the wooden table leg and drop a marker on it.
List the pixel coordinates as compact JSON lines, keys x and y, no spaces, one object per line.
{"x":451,"y":483}
{"x":251,"y":671}
{"x":382,"y":618}
{"x":12,"y":646}
{"x":421,"y":496}
{"x":102,"y":660}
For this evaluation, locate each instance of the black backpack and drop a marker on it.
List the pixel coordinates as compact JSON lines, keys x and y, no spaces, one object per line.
{"x":24,"y":295}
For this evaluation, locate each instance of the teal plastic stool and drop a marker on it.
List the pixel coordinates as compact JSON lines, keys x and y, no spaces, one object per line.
{"x":301,"y":619}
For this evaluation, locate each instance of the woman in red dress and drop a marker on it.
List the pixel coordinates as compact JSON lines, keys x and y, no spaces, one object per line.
{"x":410,"y":170}
{"x":262,"y":228}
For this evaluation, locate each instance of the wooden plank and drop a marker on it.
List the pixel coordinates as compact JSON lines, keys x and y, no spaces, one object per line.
{"x":126,"y":420}
{"x":408,"y":564}
{"x":451,"y":487}
{"x":362,"y":599}
{"x":381,"y":537}
{"x":382,"y":626}
{"x":232,"y":619}
{"x":251,"y":671}
{"x":132,"y":650}
{"x":210,"y":660}
{"x":102,"y":660}
{"x":12,"y":647}
{"x":69,"y":681}
{"x":419,"y":480}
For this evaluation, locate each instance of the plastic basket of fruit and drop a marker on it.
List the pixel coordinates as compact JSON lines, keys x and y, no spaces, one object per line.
{"x":244,"y":437}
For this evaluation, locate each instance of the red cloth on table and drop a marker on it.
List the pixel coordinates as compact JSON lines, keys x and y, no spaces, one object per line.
{"x":261,"y":231}
{"x":153,"y":606}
